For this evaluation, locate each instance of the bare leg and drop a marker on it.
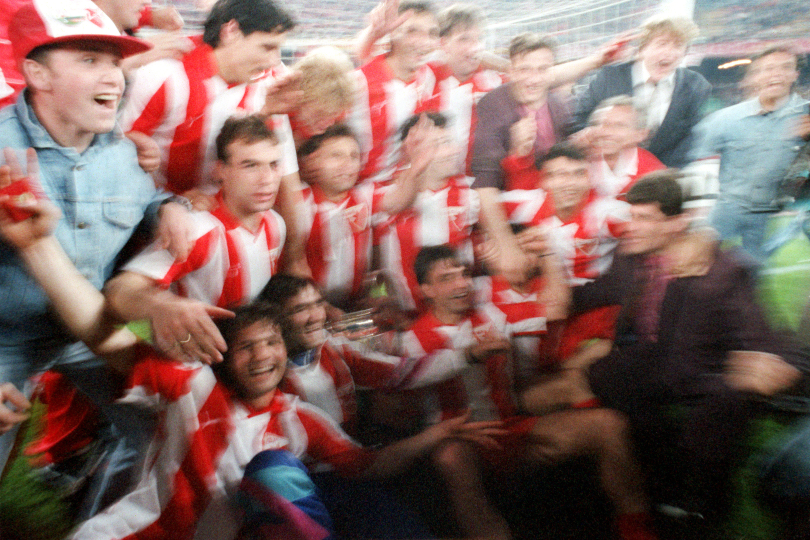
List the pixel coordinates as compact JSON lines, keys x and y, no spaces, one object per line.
{"x":601,"y":433}
{"x":460,"y":468}
{"x":567,"y":387}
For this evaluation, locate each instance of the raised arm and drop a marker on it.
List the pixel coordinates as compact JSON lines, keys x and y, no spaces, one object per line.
{"x":419,"y":145}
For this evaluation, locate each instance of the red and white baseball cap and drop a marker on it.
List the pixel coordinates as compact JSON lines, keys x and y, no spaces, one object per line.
{"x":42,"y":22}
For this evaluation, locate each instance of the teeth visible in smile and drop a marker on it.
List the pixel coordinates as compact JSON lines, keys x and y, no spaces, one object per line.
{"x":258,"y":370}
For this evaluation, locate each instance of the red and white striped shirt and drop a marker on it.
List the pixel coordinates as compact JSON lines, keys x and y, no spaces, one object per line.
{"x":457,"y":100}
{"x":587,"y":240}
{"x":340,"y":365}
{"x":444,"y":216}
{"x":382,"y":106}
{"x":183,"y":104}
{"x":228,"y":265}
{"x":526,"y":206}
{"x":486,"y":389}
{"x":198,"y":456}
{"x":339,"y":240}
{"x":520,"y":308}
{"x":631,"y":165}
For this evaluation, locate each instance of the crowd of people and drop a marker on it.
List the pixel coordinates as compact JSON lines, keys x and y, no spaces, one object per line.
{"x":437,"y":263}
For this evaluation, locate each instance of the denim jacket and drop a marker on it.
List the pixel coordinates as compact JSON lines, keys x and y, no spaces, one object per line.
{"x":755,"y":149}
{"x":103,"y":195}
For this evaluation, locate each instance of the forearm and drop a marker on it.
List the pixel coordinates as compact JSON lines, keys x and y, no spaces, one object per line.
{"x":402,"y":195}
{"x":134,"y":297}
{"x":364,"y":45}
{"x":79,"y":305}
{"x":493,"y":218}
{"x":289,"y":200}
{"x":574,"y":70}
{"x":396,"y":457}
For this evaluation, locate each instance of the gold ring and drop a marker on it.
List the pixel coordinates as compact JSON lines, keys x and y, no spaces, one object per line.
{"x":188,"y":338}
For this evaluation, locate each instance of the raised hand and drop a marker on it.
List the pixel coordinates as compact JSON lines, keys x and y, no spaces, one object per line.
{"x":42,"y":215}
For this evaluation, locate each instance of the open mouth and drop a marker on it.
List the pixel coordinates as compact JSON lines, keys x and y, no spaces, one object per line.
{"x":109,"y":101}
{"x":255,"y":371}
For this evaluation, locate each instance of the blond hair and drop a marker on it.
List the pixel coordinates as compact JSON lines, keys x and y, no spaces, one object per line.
{"x":681,"y":28}
{"x":327,"y":77}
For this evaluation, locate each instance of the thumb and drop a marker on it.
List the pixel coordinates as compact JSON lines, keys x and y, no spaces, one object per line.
{"x":219,"y":313}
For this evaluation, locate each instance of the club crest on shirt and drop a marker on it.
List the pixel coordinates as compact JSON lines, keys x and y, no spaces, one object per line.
{"x":357,"y":216}
{"x":483,"y":331}
{"x":588,"y":246}
{"x":455,"y":215}
{"x":271,"y":441}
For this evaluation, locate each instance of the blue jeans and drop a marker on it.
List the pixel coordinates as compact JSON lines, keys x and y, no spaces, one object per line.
{"x":129,"y":428}
{"x":731,"y":220}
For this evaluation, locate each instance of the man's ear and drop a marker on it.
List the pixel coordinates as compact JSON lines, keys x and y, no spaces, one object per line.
{"x":680,"y":222}
{"x":229,"y":32}
{"x":427,"y":291}
{"x":37,"y":76}
{"x":219,"y":170}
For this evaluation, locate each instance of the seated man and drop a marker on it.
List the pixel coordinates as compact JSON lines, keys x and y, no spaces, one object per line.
{"x":453,"y":328}
{"x":213,"y":422}
{"x":325,"y":369}
{"x":616,"y":131}
{"x":236,"y":248}
{"x":692,"y":348}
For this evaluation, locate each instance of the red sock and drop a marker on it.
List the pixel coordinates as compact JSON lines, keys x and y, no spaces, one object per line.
{"x":635,"y":526}
{"x":592,"y":403}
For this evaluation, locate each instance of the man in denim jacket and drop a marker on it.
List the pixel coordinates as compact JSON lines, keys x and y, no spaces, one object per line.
{"x":756,"y":140}
{"x":70,"y":54}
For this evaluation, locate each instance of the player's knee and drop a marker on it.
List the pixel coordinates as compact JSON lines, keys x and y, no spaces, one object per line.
{"x":452,"y":457}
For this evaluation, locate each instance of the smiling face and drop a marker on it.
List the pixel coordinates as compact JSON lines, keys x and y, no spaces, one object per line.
{"x":336,"y":166}
{"x":774,"y":75}
{"x":306,"y":314}
{"x":567,"y":181}
{"x":250,"y":178}
{"x":449,"y":289}
{"x":462,"y":49}
{"x":256,"y":361}
{"x":616,"y":129}
{"x":77,"y":89}
{"x":241,"y":57}
{"x":532,"y":75}
{"x":662,"y":55}
{"x":415,"y":40}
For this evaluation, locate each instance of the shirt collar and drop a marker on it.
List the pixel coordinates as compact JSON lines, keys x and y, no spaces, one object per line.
{"x":640,"y":75}
{"x":39,"y":136}
{"x":792,"y":106}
